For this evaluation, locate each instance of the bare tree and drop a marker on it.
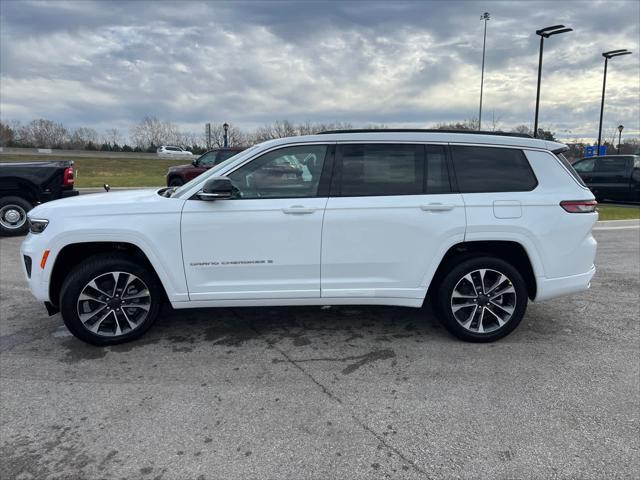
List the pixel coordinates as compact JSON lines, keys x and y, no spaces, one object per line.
{"x":277,"y":129}
{"x":112,"y":136}
{"x":522,"y":129}
{"x":470,"y":124}
{"x":235,"y":136}
{"x":45,"y":133}
{"x":7,"y":134}
{"x":153,"y":132}
{"x":82,"y":136}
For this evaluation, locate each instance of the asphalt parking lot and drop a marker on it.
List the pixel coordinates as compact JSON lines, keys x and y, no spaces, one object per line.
{"x":350,"y":392}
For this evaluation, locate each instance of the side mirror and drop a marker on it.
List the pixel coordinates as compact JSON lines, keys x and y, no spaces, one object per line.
{"x":194,"y":162}
{"x":217,"y":188}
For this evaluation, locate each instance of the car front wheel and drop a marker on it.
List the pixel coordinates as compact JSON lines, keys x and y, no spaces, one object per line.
{"x":110,"y":299}
{"x":482,"y":299}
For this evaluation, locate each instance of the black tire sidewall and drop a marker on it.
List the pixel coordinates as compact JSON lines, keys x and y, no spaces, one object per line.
{"x":175,"y":182}
{"x":22,"y":203}
{"x":88,"y":270}
{"x":451,"y":279}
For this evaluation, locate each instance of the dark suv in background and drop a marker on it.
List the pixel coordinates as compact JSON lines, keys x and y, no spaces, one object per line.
{"x":614,"y":177}
{"x":181,"y":174}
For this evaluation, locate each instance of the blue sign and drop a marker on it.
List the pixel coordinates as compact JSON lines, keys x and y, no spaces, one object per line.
{"x":591,"y":151}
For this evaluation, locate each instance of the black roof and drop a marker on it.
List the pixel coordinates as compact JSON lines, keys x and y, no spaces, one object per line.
{"x":426,"y":130}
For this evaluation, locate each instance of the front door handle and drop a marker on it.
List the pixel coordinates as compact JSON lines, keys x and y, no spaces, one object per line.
{"x":298,"y":210}
{"x":437,"y":207}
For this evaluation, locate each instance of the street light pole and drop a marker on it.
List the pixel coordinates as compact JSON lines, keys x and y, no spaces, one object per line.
{"x":485,"y":16}
{"x":226,"y":134}
{"x":620,"y":128}
{"x":544,"y":33}
{"x":607,"y":56}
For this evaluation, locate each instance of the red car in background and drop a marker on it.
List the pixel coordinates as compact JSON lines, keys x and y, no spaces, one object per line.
{"x":181,"y":174}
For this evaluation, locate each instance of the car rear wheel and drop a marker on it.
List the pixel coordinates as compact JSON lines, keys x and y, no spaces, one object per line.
{"x":176,"y":182}
{"x":110,"y":299}
{"x":482,"y":299}
{"x":13,"y":215}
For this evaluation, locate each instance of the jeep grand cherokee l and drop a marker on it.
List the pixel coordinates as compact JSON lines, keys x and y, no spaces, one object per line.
{"x":477,"y":224}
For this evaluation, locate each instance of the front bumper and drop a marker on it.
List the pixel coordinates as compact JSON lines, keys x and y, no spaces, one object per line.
{"x":38,"y":278}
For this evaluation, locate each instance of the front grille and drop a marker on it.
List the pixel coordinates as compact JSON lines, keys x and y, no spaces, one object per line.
{"x":27,"y":265}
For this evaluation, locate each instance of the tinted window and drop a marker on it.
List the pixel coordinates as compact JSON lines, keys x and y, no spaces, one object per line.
{"x":381,"y":169}
{"x":223,"y":155}
{"x":611,"y":164}
{"x":437,"y":171}
{"x":207,"y":159}
{"x":487,"y":169}
{"x":283,"y":173}
{"x":584,"y":166}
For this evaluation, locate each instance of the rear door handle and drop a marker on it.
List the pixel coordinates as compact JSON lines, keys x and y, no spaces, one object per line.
{"x":437,"y":207}
{"x":298,"y":210}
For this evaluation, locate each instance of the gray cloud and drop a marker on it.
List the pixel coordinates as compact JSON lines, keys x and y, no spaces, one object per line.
{"x":107,"y":64}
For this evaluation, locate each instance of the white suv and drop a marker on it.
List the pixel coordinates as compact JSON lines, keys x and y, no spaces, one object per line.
{"x":171,"y":151}
{"x":477,"y":224}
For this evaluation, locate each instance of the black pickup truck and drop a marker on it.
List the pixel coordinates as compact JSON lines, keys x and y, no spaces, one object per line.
{"x":25,"y":185}
{"x":612,"y":177}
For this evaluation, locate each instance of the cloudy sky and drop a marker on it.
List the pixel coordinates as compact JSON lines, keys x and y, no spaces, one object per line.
{"x":406,"y":64}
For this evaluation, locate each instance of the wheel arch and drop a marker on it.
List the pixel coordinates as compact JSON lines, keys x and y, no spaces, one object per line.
{"x":510,"y":251}
{"x":13,"y":187}
{"x":73,"y":254}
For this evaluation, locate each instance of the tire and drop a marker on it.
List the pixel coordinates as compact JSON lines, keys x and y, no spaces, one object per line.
{"x":106,"y":319}
{"x":13,"y":215}
{"x":175,"y":182}
{"x":501,"y":313}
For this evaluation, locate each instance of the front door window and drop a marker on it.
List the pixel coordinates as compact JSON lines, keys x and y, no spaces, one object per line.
{"x":292,"y":172}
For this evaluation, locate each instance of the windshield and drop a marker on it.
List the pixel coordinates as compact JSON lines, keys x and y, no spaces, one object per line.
{"x":212,"y":171}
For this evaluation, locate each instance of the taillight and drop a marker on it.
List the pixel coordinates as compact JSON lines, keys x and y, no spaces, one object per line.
{"x":68,"y":177}
{"x":579,"y":206}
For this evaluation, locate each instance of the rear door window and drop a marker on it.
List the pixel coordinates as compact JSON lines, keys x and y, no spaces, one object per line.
{"x":611,"y":165}
{"x":492,"y":169}
{"x":380,"y":169}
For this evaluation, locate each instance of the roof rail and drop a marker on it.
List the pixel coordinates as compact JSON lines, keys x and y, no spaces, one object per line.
{"x":426,"y":130}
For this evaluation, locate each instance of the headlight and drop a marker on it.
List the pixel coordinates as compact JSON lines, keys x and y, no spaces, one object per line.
{"x":37,"y":225}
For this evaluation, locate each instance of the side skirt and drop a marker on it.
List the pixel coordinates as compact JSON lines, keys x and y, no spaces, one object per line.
{"x":284,"y":302}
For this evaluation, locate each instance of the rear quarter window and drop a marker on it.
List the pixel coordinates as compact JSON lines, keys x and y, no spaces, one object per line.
{"x":492,"y":169}
{"x":567,"y":164}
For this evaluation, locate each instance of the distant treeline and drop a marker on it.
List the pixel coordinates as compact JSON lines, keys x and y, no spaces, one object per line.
{"x":151,"y":132}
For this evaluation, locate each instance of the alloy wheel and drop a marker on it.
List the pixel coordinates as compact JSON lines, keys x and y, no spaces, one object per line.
{"x":114,"y":304}
{"x":483,"y":301}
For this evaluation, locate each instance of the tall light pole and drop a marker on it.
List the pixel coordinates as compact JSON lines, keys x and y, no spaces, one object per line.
{"x":620,"y":128}
{"x":485,"y":16}
{"x":545,"y":32}
{"x":607,"y":56}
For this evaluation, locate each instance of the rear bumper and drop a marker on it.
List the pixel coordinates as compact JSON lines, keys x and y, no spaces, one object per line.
{"x":548,"y":288}
{"x":69,"y":193}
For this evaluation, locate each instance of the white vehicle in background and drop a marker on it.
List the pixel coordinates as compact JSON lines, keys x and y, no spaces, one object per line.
{"x":173,"y":151}
{"x":476,"y":224}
